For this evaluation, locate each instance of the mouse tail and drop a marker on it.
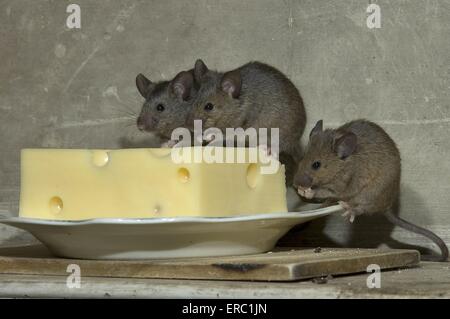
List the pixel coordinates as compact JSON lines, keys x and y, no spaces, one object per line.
{"x":421,"y":231}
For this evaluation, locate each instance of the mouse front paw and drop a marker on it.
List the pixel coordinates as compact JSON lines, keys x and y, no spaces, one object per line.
{"x":348,"y":214}
{"x":209,"y":137}
{"x":344,"y":205}
{"x":169,"y":144}
{"x":266,"y":150}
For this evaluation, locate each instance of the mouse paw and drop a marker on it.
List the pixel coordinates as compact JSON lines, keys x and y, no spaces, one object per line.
{"x":350,"y":215}
{"x":344,"y":205}
{"x":169,"y":144}
{"x":209,"y":138}
{"x":268,"y":150}
{"x":265,"y":150}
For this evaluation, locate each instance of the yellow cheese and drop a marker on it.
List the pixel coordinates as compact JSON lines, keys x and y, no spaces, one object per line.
{"x":65,"y":184}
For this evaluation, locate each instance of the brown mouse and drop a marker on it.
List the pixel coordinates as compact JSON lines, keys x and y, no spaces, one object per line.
{"x":357,"y":165}
{"x":167,"y":104}
{"x":255,"y":95}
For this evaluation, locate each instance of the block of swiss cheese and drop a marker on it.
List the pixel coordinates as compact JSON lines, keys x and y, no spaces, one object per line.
{"x":73,"y":184}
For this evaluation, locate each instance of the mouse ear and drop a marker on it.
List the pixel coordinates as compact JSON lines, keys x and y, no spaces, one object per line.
{"x":144,"y":85}
{"x":231,"y":83}
{"x":200,"y":69}
{"x":318,"y":128}
{"x":345,"y":145}
{"x":182,"y":84}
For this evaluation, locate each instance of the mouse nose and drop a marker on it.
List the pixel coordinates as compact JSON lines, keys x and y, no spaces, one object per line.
{"x":304,"y":181}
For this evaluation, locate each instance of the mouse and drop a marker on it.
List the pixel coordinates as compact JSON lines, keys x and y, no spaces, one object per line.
{"x":166,"y":105}
{"x":357,"y":165}
{"x":254,"y":95}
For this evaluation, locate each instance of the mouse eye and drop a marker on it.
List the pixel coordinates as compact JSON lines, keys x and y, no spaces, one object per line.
{"x":160,"y":108}
{"x":316,"y":165}
{"x":209,"y":107}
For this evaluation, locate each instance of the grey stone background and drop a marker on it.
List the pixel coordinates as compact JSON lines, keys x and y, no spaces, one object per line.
{"x":75,"y":88}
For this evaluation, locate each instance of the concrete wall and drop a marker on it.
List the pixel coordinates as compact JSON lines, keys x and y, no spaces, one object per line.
{"x":74,"y":88}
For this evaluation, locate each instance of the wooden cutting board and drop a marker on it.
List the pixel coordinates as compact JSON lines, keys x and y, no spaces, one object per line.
{"x":282,"y":265}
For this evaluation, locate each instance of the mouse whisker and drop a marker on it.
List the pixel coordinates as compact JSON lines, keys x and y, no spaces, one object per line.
{"x":129,"y":105}
{"x":126,"y":107}
{"x":121,"y":112}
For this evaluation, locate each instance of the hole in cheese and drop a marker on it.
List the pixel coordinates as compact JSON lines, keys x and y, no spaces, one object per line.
{"x":100,"y":158}
{"x":252,"y":175}
{"x":56,"y":205}
{"x":183,"y":175}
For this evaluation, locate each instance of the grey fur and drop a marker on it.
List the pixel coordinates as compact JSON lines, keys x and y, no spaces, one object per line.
{"x":262,"y":97}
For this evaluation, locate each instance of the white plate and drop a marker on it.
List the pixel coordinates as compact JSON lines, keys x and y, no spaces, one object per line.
{"x":156,"y":238}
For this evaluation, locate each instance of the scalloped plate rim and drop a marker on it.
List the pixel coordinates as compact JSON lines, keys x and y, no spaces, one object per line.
{"x":173,"y":220}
